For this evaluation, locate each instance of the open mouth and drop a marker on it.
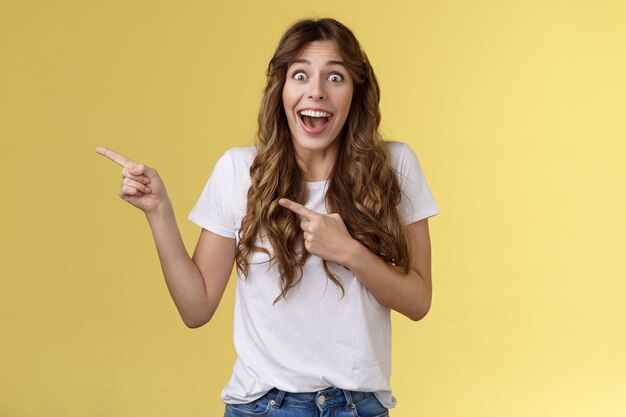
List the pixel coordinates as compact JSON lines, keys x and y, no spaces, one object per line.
{"x":314,"y":121}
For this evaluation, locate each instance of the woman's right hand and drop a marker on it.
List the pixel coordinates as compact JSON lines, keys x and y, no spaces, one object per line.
{"x":141,"y":185}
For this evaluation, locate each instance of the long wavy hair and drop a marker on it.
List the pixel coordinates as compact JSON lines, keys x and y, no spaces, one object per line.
{"x":362,"y":188}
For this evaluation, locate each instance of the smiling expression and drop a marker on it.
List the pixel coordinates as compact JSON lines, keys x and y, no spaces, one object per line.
{"x":316,"y":97}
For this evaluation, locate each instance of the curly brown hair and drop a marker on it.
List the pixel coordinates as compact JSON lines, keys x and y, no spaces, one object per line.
{"x":362,"y":188}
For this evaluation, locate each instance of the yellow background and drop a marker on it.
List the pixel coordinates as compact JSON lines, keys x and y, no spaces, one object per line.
{"x":516,"y":110}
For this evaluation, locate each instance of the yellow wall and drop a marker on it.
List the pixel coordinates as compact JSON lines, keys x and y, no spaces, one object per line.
{"x":516,"y":110}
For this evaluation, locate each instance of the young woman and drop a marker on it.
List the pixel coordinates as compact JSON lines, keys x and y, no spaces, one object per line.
{"x":327,"y":225}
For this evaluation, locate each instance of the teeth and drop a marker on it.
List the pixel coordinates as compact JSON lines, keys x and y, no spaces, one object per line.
{"x":313,"y":113}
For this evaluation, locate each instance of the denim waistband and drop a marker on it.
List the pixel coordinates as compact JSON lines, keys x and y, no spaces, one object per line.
{"x":329,"y":397}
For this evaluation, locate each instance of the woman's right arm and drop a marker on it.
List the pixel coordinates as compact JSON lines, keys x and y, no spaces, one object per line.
{"x":196,"y":284}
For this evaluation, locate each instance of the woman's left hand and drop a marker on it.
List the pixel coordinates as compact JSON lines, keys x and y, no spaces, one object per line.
{"x":325,"y":235}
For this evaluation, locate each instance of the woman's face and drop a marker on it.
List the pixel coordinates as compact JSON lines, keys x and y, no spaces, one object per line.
{"x":316,"y":97}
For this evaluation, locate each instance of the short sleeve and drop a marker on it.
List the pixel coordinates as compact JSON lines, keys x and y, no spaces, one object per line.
{"x":214,"y":209}
{"x":417,"y":201}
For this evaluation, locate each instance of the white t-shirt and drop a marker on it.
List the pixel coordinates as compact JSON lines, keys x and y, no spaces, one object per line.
{"x":313,"y":339}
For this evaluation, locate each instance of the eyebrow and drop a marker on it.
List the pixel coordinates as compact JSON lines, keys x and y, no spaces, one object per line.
{"x":305,"y":61}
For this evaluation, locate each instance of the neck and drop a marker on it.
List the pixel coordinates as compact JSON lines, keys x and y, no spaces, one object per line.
{"x":318,"y":164}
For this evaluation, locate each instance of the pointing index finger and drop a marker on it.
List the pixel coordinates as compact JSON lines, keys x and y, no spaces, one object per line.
{"x":114,"y":156}
{"x":298,"y":208}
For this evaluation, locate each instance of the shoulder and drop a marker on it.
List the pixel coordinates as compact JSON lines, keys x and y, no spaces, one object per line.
{"x":399,"y":153}
{"x":241,"y":154}
{"x":238,"y":158}
{"x":394,"y":146}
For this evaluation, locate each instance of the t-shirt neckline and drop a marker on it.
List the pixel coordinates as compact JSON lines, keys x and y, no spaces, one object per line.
{"x":316,"y":185}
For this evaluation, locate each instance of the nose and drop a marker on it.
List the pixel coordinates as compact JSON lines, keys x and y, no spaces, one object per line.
{"x":317,"y":90}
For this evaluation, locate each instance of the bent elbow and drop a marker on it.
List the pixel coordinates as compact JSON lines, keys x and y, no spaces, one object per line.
{"x":419,"y":313}
{"x":194,"y":323}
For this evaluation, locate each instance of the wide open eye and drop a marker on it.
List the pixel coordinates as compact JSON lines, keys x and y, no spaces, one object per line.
{"x":335,"y":78}
{"x":299,"y":76}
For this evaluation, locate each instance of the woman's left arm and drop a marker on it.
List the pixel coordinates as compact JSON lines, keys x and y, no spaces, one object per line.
{"x":409,"y":294}
{"x":326,"y":236}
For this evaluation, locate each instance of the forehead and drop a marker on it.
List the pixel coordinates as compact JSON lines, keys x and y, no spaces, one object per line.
{"x":326,"y":50}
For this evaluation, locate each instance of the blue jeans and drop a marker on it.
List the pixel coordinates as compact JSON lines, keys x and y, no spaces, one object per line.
{"x":330,"y":402}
